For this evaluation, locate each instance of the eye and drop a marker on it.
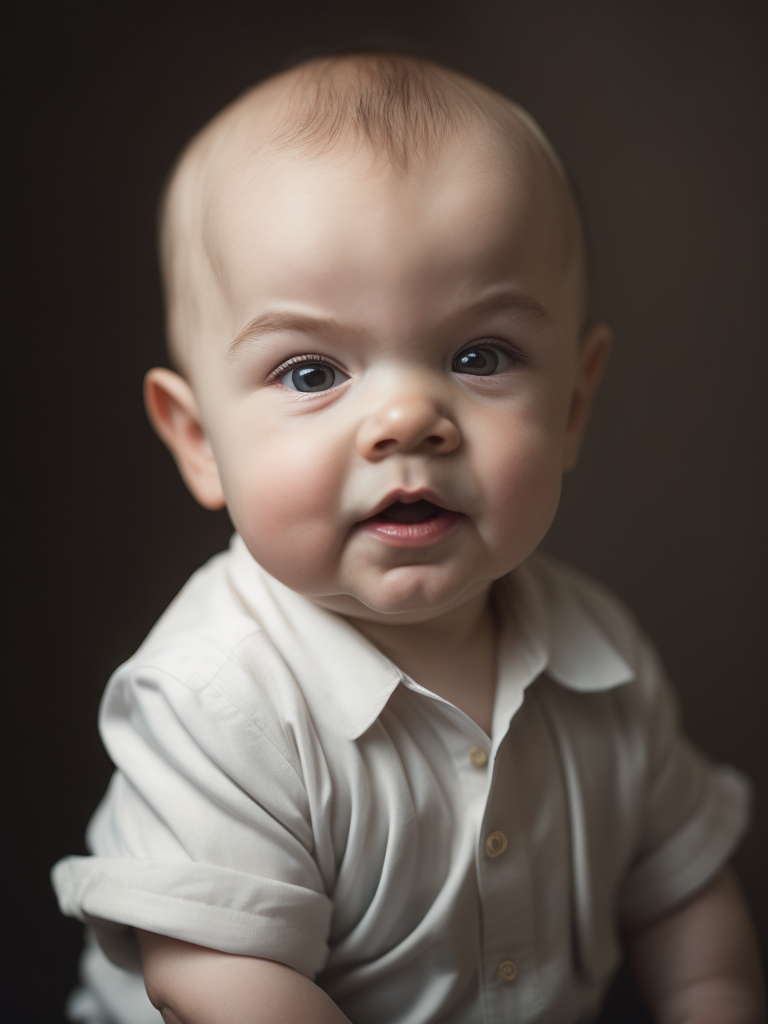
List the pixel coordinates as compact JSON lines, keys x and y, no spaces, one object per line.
{"x":483,"y":360}
{"x":311,"y":377}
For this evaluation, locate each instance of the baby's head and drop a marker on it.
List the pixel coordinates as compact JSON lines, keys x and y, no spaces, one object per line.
{"x":376,"y":294}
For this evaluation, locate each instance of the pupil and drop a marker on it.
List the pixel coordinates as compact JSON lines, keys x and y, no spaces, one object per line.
{"x":478,"y":360}
{"x":315,"y":377}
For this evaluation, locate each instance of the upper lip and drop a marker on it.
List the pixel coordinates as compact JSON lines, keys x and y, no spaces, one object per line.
{"x":408,"y":497}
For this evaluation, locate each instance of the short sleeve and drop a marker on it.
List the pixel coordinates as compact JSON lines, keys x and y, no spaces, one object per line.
{"x":692,"y":814}
{"x":205,"y":833}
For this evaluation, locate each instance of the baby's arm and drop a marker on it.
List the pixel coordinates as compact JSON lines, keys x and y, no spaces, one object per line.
{"x":699,"y":964}
{"x":195,"y":985}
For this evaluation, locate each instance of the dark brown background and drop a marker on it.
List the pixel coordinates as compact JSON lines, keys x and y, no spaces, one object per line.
{"x":659,"y":110}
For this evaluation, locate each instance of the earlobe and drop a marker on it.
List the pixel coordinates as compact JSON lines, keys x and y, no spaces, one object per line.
{"x":593,"y":355}
{"x":173,"y":412}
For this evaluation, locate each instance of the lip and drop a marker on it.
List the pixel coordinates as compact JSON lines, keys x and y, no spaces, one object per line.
{"x":408,"y":497}
{"x":411,"y":535}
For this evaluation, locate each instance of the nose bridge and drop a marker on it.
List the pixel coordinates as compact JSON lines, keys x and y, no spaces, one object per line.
{"x":407,"y":413}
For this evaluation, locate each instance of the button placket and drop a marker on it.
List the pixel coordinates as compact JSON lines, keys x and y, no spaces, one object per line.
{"x":506,"y":908}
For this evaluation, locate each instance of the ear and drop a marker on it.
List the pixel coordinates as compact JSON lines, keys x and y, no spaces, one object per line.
{"x":593,"y":354}
{"x":173,"y":412}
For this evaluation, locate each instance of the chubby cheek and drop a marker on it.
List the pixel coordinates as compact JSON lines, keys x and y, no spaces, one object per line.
{"x":519,"y":474}
{"x":283,"y":501}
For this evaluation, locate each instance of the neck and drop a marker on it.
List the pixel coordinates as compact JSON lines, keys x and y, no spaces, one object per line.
{"x":454,"y":631}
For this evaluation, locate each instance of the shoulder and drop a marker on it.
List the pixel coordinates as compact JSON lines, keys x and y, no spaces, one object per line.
{"x":200,"y":629}
{"x":208,"y":668}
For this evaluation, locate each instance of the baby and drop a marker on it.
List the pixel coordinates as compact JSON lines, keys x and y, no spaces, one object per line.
{"x":379,"y":761}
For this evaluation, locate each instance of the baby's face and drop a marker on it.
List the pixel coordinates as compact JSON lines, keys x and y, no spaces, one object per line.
{"x":396,"y":383}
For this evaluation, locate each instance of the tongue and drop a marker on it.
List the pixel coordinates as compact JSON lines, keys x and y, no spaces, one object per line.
{"x":411,"y":512}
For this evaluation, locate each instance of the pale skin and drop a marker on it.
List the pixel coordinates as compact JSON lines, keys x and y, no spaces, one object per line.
{"x":382,"y":281}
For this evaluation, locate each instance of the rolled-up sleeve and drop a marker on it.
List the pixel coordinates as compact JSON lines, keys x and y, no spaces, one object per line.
{"x":692,"y":813}
{"x":205,"y":832}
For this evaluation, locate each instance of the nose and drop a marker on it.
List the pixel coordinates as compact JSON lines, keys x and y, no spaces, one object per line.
{"x":407,"y":423}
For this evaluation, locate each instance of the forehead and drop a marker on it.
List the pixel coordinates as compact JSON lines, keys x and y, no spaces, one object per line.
{"x":346,"y":223}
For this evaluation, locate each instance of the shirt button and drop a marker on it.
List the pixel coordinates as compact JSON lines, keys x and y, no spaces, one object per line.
{"x":495,"y":844}
{"x":478,"y":757}
{"x":508,"y":970}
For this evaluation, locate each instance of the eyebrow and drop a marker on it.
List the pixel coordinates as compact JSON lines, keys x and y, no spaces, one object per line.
{"x":531,"y":311}
{"x":274,"y":320}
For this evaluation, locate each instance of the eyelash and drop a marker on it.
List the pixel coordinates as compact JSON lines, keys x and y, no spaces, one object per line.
{"x":283,"y":368}
{"x":507,"y":347}
{"x":511,"y":350}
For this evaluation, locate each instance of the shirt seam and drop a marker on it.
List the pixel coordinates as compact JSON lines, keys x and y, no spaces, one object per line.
{"x":211,"y":684}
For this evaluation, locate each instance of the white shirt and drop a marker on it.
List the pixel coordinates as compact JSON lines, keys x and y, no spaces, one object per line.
{"x":283,"y":790}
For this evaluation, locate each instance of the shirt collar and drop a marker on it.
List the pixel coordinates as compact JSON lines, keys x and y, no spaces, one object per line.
{"x":342,"y":675}
{"x":579,"y":625}
{"x":549,"y":628}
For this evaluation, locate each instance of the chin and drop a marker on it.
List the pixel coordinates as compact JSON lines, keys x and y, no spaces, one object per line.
{"x":415,"y":593}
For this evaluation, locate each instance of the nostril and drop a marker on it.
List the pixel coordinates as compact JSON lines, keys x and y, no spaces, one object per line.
{"x":435,"y":441}
{"x":382,"y":446}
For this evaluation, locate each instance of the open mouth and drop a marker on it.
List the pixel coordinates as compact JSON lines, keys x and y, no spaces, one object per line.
{"x":410,"y":512}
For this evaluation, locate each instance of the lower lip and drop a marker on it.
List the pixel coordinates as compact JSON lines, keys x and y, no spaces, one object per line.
{"x":412,"y":535}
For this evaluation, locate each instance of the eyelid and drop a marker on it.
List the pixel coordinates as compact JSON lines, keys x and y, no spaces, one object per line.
{"x":283,"y":368}
{"x":507,"y":347}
